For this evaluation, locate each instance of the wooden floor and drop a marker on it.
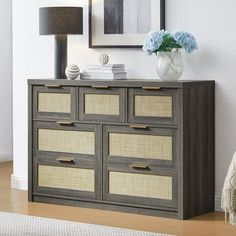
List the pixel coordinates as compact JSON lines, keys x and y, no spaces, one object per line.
{"x":16,"y":201}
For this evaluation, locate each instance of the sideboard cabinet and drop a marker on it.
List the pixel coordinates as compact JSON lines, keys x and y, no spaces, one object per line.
{"x":137,"y":146}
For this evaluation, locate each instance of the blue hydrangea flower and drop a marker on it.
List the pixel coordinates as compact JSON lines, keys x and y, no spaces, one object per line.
{"x":185,"y":40}
{"x":153,"y":41}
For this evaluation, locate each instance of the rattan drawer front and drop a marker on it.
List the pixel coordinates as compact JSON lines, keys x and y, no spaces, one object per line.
{"x":140,"y":146}
{"x":54,"y":102}
{"x":153,"y":106}
{"x":68,"y":141}
{"x":150,"y":106}
{"x":66,"y":178}
{"x":140,"y":185}
{"x":125,"y":144}
{"x":102,"y":104}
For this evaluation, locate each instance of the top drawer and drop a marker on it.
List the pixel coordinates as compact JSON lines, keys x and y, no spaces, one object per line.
{"x":54,"y":101}
{"x":153,"y":105}
{"x":102,"y":103}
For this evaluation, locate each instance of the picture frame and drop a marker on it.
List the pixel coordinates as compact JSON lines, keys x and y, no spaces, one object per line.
{"x":123,"y":24}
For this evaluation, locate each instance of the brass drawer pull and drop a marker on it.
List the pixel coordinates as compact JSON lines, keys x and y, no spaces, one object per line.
{"x":151,"y":88}
{"x":137,"y":126}
{"x":100,"y":87}
{"x":52,"y":85}
{"x":65,"y":160}
{"x":65,"y":122}
{"x":139,"y":166}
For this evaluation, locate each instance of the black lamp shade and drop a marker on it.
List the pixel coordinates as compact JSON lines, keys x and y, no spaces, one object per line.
{"x":60,"y":20}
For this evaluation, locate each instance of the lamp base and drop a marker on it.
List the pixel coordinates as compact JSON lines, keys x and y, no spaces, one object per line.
{"x":60,"y":56}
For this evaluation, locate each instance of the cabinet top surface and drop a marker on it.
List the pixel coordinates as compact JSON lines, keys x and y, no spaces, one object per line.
{"x":123,"y":83}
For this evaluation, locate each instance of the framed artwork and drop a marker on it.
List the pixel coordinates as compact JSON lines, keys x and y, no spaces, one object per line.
{"x":123,"y":23}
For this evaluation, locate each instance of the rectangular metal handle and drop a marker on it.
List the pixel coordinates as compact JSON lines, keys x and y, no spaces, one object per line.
{"x":100,"y":87}
{"x":139,"y":165}
{"x":52,"y":85}
{"x":65,"y":122}
{"x":65,"y":160}
{"x":138,"y":126}
{"x":151,"y":88}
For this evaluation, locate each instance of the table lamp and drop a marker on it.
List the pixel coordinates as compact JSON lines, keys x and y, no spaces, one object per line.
{"x":60,"y":21}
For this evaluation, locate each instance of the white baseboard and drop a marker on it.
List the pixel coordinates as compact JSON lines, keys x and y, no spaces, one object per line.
{"x":5,"y":157}
{"x":19,"y":183}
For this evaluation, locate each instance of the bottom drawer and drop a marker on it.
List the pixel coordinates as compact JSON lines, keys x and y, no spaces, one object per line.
{"x":67,"y":179}
{"x":140,"y":184}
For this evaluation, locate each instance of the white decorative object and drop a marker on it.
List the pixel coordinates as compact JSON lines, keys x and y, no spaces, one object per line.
{"x":228,"y":198}
{"x":72,"y":72}
{"x":169,"y":65}
{"x":103,"y":58}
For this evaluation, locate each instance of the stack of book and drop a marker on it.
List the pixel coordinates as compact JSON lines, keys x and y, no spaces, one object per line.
{"x":100,"y":72}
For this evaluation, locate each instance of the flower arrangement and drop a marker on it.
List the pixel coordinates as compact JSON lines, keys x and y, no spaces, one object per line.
{"x":164,"y":41}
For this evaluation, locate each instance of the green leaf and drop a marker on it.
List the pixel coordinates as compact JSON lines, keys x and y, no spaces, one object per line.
{"x":168,"y":44}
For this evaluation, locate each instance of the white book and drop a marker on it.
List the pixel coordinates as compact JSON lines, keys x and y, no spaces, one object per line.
{"x":105,"y":76}
{"x":107,"y":66}
{"x":104,"y":70}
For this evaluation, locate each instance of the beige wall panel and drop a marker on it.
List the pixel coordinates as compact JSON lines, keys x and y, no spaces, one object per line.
{"x":66,"y":141}
{"x":140,"y":146}
{"x":153,"y":106}
{"x":102,"y":104}
{"x":54,"y":102}
{"x":66,"y":178}
{"x":140,"y":185}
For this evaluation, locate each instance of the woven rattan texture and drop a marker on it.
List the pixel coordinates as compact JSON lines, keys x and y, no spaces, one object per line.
{"x":102,"y":104}
{"x":66,"y":141}
{"x":140,"y":185}
{"x":159,"y":106}
{"x":140,"y":146}
{"x":54,"y":102}
{"x":66,"y":178}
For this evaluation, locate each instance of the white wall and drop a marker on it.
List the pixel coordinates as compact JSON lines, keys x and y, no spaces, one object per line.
{"x":213,"y":24}
{"x":5,"y":81}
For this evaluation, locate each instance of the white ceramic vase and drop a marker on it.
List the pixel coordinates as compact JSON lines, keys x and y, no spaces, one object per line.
{"x":169,"y":65}
{"x":72,"y":72}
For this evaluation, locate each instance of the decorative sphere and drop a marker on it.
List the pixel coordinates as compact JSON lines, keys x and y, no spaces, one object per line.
{"x":103,"y":58}
{"x":72,"y":71}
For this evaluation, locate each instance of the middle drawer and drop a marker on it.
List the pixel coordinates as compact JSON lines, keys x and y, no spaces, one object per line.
{"x":140,"y":144}
{"x":65,"y":139}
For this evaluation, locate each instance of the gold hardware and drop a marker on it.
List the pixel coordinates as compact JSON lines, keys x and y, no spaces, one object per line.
{"x":138,"y":126}
{"x":52,"y":85}
{"x":64,"y":122}
{"x":139,"y":166}
{"x":151,"y":88}
{"x":65,"y":159}
{"x":100,"y":87}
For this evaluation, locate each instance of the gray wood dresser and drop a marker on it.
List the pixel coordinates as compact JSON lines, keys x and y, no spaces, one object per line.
{"x":145,"y":146}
